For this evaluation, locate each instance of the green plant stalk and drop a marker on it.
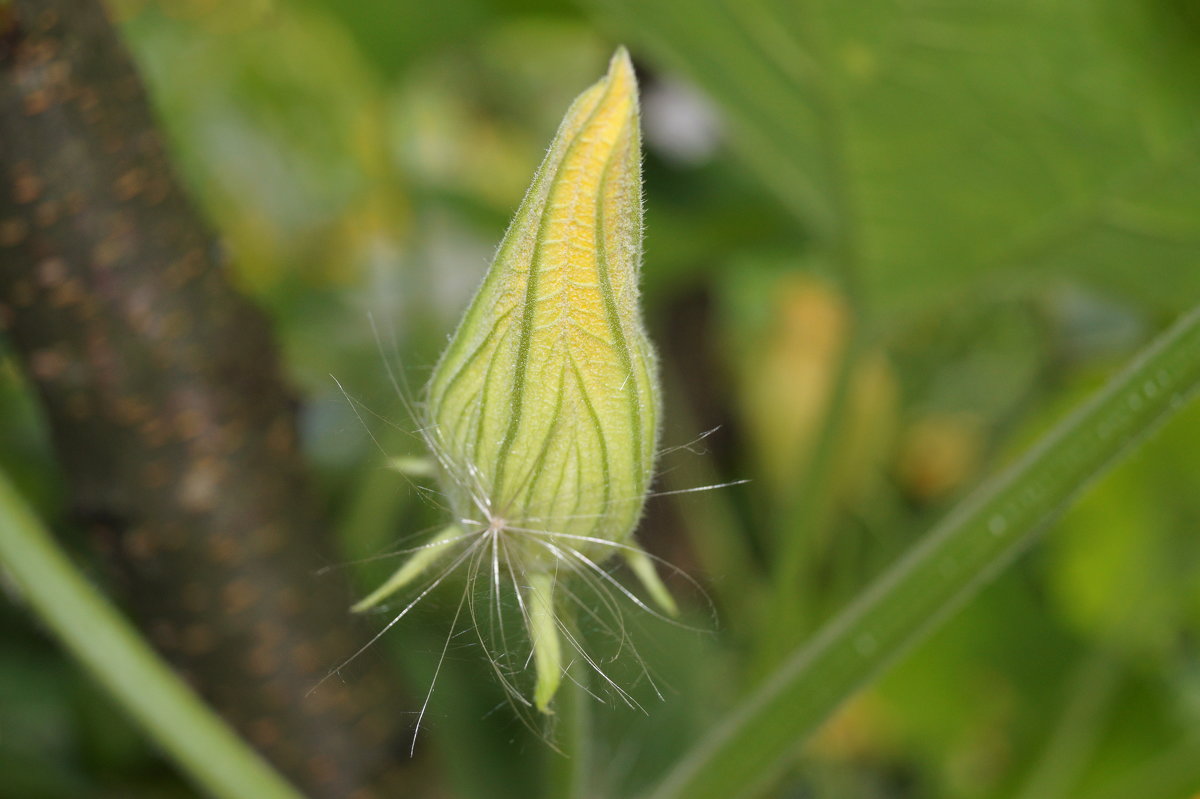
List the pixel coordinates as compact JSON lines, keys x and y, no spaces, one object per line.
{"x":1173,"y":774}
{"x":939,"y":574}
{"x":211,"y":754}
{"x":375,"y":506}
{"x":568,"y":766}
{"x":807,"y":520}
{"x":711,"y":523}
{"x":1072,"y":741}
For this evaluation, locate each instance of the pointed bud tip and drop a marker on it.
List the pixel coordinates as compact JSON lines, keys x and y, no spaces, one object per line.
{"x":620,"y":69}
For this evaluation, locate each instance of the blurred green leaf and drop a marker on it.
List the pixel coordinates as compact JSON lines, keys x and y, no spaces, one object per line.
{"x":936,"y":144}
{"x":393,"y":35}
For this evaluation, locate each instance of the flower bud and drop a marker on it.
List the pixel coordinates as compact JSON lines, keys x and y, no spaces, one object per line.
{"x":545,"y":405}
{"x":543,"y":411}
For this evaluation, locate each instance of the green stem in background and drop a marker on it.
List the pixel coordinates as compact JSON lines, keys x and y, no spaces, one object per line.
{"x":568,"y":770}
{"x":709,"y":519}
{"x":808,"y":516}
{"x":1174,"y":773}
{"x":938,"y":575}
{"x":378,"y":500}
{"x":96,"y":634}
{"x":1073,"y":740}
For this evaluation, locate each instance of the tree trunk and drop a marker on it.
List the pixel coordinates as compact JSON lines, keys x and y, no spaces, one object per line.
{"x":163,"y":394}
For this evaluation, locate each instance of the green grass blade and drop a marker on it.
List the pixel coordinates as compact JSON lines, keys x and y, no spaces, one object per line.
{"x":939,"y":574}
{"x":219,"y":762}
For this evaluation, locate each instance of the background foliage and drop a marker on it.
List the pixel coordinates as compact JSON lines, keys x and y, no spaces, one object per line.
{"x":888,"y":244}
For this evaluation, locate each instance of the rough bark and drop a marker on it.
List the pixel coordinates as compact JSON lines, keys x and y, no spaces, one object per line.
{"x":163,"y":393}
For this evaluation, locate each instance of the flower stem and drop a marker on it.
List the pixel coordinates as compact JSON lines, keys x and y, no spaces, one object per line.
{"x":569,"y":769}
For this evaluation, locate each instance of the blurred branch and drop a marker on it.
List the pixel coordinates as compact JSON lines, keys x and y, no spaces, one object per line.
{"x":166,"y":405}
{"x":97,"y":635}
{"x":939,"y":574}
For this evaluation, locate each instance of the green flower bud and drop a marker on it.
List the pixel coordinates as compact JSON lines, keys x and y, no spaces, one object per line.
{"x":545,"y":405}
{"x":543,"y":411}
